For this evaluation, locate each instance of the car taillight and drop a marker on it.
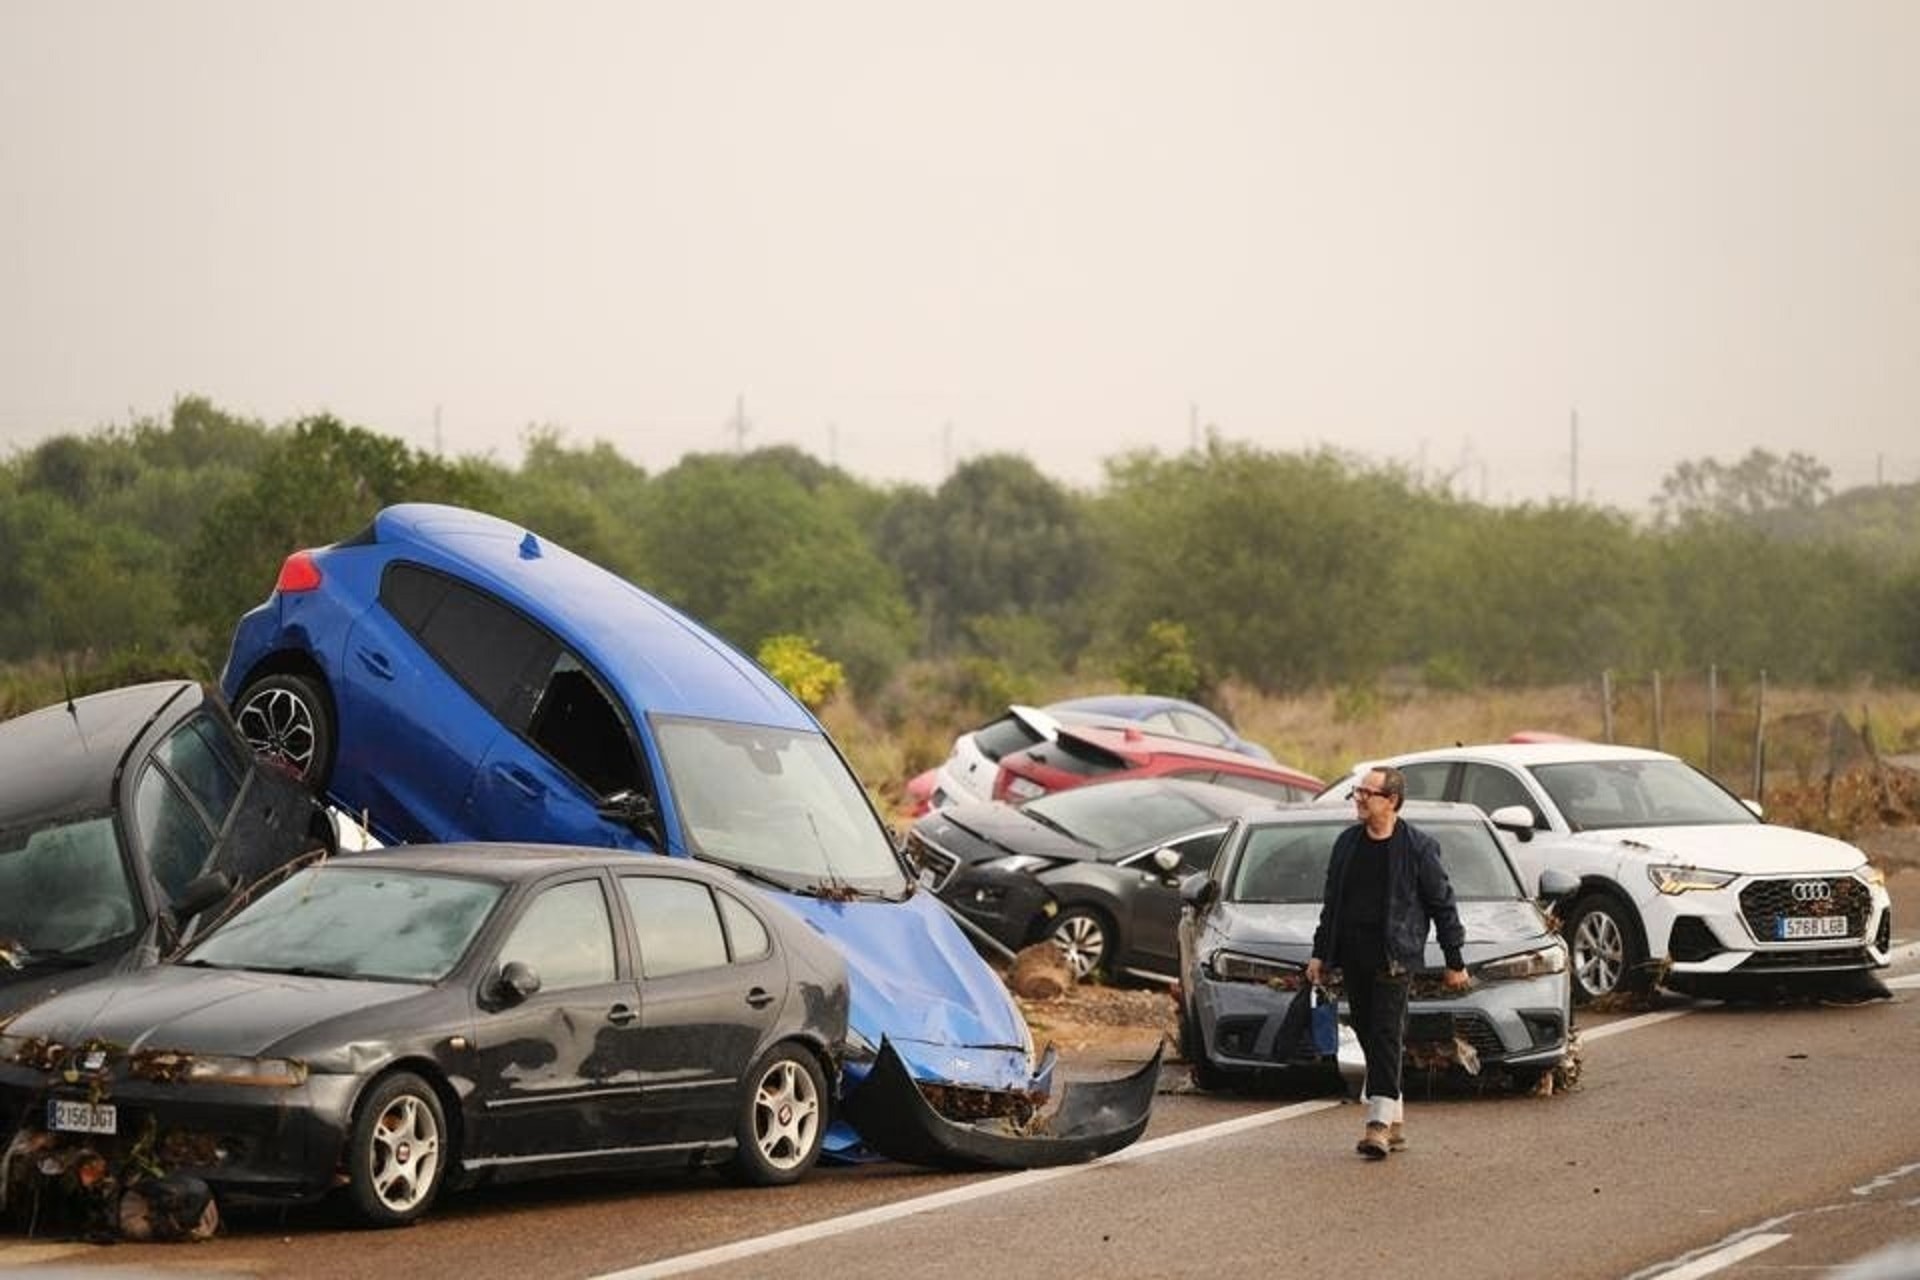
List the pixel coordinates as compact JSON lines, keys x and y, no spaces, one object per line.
{"x":298,"y":573}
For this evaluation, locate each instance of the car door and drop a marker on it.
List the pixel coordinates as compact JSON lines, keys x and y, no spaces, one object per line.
{"x":558,"y":1072}
{"x":1153,"y":904}
{"x":425,"y":677}
{"x":713,"y":985}
{"x":567,"y":747}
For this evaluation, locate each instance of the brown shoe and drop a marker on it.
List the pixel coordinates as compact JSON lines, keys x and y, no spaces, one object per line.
{"x":1396,"y":1136}
{"x":1373,"y":1143}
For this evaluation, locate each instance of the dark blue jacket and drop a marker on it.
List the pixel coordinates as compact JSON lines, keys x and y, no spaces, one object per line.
{"x":1419,"y":897}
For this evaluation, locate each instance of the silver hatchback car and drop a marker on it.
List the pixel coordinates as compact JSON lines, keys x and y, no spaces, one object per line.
{"x":1246,"y":933}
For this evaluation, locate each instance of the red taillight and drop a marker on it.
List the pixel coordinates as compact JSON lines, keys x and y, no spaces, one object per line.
{"x":299,"y":573}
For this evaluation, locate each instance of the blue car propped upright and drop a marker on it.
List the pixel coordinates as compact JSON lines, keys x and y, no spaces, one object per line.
{"x":447,"y":676}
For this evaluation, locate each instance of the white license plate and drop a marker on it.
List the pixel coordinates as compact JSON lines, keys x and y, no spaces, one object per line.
{"x":1792,"y":927}
{"x":81,"y":1117}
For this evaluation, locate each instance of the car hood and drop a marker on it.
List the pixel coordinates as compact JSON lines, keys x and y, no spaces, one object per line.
{"x":1752,"y":849}
{"x":974,"y":832}
{"x":231,"y":1011}
{"x":915,"y":979}
{"x":1285,"y":929}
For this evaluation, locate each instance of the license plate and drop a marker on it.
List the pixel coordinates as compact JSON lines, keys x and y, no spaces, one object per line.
{"x":81,"y":1117}
{"x":926,"y":878}
{"x":1791,"y":927}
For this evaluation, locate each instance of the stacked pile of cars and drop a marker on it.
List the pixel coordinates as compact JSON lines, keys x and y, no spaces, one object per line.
{"x":640,"y":910}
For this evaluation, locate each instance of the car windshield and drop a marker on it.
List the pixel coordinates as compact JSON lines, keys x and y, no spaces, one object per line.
{"x":64,"y":887}
{"x":1288,"y":862}
{"x":1111,"y":816}
{"x":780,"y":803}
{"x":1596,"y":795}
{"x":361,"y":922}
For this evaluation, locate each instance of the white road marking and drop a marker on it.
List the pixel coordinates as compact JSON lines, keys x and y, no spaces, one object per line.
{"x":1588,"y":1034}
{"x":740,"y":1249}
{"x":1721,"y":1259}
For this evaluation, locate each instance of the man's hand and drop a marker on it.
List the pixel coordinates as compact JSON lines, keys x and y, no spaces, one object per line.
{"x":1456,"y":980}
{"x":1316,"y":973}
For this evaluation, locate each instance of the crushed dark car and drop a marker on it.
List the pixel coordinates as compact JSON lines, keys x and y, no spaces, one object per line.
{"x":404,"y":1020}
{"x":128,"y":819}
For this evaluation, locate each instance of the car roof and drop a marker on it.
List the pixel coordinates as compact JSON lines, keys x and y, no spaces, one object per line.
{"x":1531,"y":753}
{"x":1129,"y":706}
{"x":63,"y":759}
{"x":1134,"y":741}
{"x":1414,"y":811}
{"x":660,"y":659}
{"x":511,"y":861}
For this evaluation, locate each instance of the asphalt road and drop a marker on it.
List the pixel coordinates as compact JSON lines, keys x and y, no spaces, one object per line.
{"x":1781,"y":1140}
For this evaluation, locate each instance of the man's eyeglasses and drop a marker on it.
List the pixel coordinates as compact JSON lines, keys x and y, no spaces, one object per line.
{"x":1364,"y":793}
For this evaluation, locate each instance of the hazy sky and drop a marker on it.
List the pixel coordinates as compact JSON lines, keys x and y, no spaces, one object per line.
{"x":910,"y":233}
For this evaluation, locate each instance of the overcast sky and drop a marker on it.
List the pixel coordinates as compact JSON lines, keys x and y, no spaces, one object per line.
{"x":904,"y":234}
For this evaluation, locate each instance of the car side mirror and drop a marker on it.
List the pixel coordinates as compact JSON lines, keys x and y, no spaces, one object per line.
{"x":1199,"y":891}
{"x":634,"y":811}
{"x":1167,"y":862}
{"x":1754,"y":805}
{"x":518,"y":980}
{"x":1557,"y":883}
{"x":202,"y":892}
{"x":1515,"y":819}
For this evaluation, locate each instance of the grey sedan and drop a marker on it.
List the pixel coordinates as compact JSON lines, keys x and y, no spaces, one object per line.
{"x":1247,"y":934}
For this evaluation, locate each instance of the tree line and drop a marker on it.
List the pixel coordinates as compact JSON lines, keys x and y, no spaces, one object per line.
{"x":140,"y":546}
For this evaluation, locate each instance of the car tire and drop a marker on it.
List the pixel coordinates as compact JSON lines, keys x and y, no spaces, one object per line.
{"x":398,"y":1154}
{"x":783,"y":1119}
{"x":1085,"y":937}
{"x":288,"y":721}
{"x":1193,"y":1047}
{"x":1605,"y":949}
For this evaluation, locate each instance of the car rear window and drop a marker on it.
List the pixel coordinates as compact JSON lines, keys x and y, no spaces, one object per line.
{"x":1007,"y":734}
{"x":1077,"y":757}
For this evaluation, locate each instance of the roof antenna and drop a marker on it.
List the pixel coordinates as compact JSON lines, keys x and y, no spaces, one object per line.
{"x":66,"y":684}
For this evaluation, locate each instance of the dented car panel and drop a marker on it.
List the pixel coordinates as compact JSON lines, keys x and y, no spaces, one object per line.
{"x":558,"y":1027}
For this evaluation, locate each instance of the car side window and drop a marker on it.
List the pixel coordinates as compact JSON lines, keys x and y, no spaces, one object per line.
{"x":1188,"y":725}
{"x":166,"y":825}
{"x":566,"y":935}
{"x":676,"y":924}
{"x":1283,"y":792}
{"x":1427,"y":780}
{"x":747,"y":938}
{"x":500,"y":656}
{"x":575,"y":722}
{"x":1197,"y":852}
{"x":1491,"y":787}
{"x":203,"y":760}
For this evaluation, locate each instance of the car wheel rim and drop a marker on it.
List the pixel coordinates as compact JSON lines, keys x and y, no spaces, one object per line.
{"x":406,"y":1153}
{"x":1082,"y":941}
{"x":278,"y":724}
{"x":786,"y":1115}
{"x":1599,"y":952}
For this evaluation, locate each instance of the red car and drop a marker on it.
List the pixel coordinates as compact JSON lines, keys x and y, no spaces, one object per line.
{"x":1095,"y":753}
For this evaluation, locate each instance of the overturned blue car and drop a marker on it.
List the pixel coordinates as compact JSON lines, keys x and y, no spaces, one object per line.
{"x":447,"y":676}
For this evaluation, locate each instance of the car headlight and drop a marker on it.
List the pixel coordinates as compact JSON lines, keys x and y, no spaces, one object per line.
{"x":1873,"y":875}
{"x":1237,"y":966}
{"x":1528,"y":964}
{"x":217,"y":1068}
{"x":1671,"y":879}
{"x":1017,"y":862}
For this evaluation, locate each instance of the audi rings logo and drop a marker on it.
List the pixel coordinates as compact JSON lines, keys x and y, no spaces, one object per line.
{"x":1812,"y":891}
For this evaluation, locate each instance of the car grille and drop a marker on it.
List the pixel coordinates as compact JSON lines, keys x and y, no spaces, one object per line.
{"x":1444,"y":1028}
{"x":936,"y":865}
{"x":1764,"y":902}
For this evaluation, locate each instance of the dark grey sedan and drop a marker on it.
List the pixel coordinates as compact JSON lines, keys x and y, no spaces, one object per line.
{"x":1096,"y":869}
{"x":410,"y":1017}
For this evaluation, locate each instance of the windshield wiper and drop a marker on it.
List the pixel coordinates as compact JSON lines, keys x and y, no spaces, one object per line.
{"x":1050,"y":823}
{"x":297,"y":970}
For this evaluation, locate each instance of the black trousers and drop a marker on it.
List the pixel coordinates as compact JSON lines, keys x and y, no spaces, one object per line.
{"x":1377,"y":1008}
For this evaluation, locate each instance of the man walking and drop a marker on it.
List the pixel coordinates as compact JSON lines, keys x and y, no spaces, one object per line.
{"x":1385,"y":888}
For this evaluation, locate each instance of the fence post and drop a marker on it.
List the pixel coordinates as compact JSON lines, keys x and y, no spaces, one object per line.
{"x":1713,"y":709}
{"x":1606,"y":704}
{"x":1760,"y":741}
{"x":1656,"y":709}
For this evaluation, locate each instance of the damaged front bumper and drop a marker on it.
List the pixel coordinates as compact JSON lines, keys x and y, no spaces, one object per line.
{"x":1089,"y":1119}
